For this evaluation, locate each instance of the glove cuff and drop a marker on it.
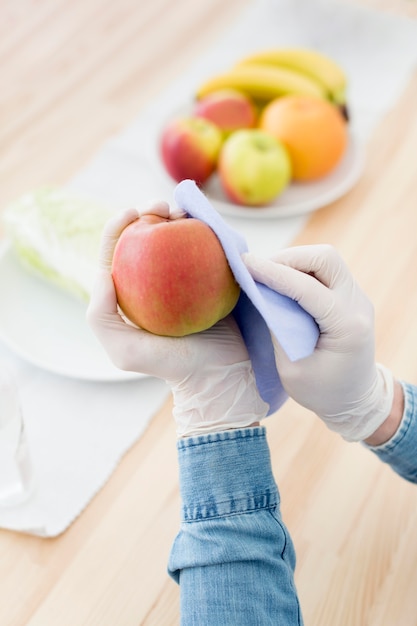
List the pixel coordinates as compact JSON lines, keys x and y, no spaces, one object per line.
{"x":219,"y":403}
{"x":371,"y":413}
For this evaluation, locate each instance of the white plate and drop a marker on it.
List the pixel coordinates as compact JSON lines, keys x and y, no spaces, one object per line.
{"x":297,"y":199}
{"x":47,"y":327}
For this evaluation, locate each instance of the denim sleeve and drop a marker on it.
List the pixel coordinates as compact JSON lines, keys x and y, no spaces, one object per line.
{"x":233,"y":557}
{"x":400,"y":452}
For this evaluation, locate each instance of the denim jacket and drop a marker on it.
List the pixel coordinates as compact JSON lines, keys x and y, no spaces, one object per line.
{"x":233,"y":557}
{"x":400,"y":452}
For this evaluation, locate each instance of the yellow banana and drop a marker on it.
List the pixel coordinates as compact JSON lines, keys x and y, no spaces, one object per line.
{"x":263,"y":82}
{"x":310,"y":63}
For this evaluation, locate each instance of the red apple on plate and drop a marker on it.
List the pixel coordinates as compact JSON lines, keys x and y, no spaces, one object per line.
{"x":254,"y":167}
{"x":172,"y":277}
{"x":189,"y":148}
{"x":229,"y":109}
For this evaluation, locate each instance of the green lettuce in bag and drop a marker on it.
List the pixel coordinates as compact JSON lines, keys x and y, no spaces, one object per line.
{"x":56,"y":234}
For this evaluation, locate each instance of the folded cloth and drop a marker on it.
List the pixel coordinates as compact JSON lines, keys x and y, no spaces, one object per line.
{"x":260,"y":311}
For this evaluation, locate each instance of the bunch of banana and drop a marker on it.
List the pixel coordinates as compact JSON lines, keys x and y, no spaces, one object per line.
{"x":309,"y":63}
{"x":272,"y":73}
{"x":262,"y":82}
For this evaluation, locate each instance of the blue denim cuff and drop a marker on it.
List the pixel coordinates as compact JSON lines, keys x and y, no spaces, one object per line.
{"x":400,"y":450}
{"x":225,"y":473}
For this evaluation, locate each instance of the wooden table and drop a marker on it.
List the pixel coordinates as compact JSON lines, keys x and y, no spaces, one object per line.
{"x":74,"y":73}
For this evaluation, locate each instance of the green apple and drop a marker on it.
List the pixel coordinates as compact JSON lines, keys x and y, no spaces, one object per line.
{"x":254,"y":167}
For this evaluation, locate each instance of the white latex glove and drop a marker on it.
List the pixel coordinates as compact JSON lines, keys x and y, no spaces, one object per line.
{"x":209,"y":373}
{"x":340,"y":381}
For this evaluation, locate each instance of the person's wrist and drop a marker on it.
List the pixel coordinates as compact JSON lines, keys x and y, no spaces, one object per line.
{"x":389,"y":427}
{"x":228,"y":399}
{"x":221,"y":429}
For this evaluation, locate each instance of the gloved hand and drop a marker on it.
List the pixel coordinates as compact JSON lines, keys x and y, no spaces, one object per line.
{"x":209,"y":373}
{"x":340,"y":381}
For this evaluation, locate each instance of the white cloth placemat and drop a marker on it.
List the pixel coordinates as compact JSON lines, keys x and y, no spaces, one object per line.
{"x":79,"y":430}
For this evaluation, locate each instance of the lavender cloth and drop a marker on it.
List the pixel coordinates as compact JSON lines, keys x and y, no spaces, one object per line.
{"x":260,"y":310}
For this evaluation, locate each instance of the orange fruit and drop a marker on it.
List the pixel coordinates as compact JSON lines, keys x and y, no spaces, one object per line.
{"x":314,"y":132}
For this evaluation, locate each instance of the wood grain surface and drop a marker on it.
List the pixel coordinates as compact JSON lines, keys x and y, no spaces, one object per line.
{"x":72,"y":74}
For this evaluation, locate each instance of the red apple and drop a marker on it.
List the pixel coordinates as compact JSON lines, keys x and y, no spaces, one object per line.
{"x":229,"y":109}
{"x":172,"y":277}
{"x":189,"y":148}
{"x":254,"y":167}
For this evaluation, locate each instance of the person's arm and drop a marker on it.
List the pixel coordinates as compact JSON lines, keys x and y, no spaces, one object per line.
{"x":395,"y":442}
{"x":390,"y":426}
{"x":233,"y":558}
{"x":340,"y":381}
